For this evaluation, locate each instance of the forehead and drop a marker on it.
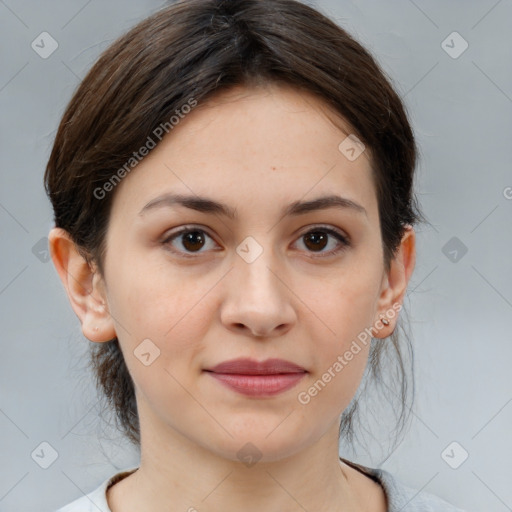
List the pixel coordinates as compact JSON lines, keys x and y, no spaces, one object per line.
{"x":271,"y":143}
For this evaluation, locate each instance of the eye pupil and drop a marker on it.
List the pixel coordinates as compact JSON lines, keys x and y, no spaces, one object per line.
{"x":316,"y":237}
{"x":193,"y":240}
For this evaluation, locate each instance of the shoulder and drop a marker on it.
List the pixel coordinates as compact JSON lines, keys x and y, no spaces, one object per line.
{"x":96,"y":500}
{"x":402,"y":498}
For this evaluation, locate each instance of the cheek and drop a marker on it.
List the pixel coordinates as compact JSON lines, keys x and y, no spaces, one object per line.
{"x":341,"y":309}
{"x":172,"y":319}
{"x":169,"y":309}
{"x":175,"y":329}
{"x":150,"y":297}
{"x":344,"y":304}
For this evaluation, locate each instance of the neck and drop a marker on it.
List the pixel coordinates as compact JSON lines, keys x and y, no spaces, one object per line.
{"x":181,"y":475}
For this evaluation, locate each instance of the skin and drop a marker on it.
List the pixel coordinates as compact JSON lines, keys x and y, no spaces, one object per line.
{"x":257,"y":150}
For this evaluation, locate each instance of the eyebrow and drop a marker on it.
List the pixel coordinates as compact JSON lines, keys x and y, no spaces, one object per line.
{"x":207,"y":205}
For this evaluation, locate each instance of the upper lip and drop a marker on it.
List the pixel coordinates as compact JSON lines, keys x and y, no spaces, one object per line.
{"x":247,"y":366}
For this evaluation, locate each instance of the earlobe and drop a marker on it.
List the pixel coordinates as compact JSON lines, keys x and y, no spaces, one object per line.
{"x":84,"y":287}
{"x":395,"y":283}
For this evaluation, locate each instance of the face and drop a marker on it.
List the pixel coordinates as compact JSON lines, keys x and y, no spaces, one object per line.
{"x":256,"y":281}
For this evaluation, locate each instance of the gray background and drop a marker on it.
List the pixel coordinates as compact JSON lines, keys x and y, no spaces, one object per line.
{"x":460,"y":310}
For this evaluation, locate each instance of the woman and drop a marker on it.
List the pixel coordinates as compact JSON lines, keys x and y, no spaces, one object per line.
{"x":232,"y":185}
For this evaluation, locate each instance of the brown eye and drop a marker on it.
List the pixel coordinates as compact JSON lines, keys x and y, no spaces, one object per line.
{"x":316,"y":240}
{"x":193,"y":240}
{"x":188,"y":241}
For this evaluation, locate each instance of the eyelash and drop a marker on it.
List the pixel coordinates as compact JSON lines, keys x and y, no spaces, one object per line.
{"x":344,"y":241}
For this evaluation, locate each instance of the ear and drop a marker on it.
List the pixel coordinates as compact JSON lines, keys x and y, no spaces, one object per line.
{"x":394,"y":284}
{"x":84,"y":286}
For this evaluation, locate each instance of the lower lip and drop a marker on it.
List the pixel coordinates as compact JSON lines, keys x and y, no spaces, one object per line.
{"x":259,"y":385}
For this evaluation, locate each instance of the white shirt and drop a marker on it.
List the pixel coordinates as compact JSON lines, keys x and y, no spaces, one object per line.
{"x":400,"y":497}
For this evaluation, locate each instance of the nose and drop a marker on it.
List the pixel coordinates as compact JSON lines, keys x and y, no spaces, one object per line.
{"x":258,"y":299}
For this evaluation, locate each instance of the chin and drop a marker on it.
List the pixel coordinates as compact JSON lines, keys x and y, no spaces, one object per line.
{"x":257,"y":443}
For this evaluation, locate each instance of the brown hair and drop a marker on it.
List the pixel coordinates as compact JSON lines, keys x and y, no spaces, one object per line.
{"x":195,"y":49}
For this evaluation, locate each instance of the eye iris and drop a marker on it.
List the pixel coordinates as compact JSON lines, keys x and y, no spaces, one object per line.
{"x":316,"y":237}
{"x":193,"y":240}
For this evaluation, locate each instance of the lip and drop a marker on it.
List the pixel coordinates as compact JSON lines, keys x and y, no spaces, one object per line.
{"x":247,"y":366}
{"x":258,"y":378}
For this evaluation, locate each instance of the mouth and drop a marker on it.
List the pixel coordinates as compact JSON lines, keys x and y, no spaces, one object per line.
{"x":247,"y":366}
{"x":255,"y":378}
